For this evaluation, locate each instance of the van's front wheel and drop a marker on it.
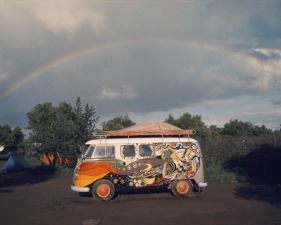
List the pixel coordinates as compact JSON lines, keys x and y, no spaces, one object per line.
{"x":103,"y":190}
{"x":181,"y":188}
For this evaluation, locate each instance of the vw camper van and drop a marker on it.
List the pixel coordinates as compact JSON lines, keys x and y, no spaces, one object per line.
{"x":147,"y":155}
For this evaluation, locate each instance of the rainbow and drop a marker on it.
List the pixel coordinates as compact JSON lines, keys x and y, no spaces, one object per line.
{"x":111,"y":45}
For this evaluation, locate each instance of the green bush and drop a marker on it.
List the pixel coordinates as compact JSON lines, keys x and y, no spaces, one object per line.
{"x":32,"y":157}
{"x":261,"y":165}
{"x":215,"y":171}
{"x":243,"y":159}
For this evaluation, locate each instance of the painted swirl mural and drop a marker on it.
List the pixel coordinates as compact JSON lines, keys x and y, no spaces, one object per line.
{"x":169,"y":161}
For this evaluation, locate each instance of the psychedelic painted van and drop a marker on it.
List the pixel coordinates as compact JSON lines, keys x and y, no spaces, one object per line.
{"x":146,"y":155}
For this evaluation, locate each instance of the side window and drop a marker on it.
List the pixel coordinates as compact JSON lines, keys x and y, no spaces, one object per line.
{"x":145,"y":150}
{"x":128,"y":150}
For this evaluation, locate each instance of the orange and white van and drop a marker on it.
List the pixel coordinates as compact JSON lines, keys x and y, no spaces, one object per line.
{"x":146,"y":155}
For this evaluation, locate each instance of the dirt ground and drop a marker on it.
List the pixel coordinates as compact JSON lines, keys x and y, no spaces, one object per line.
{"x":42,"y":199}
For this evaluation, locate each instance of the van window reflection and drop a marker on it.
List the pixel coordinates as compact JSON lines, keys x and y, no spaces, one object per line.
{"x":145,"y":150}
{"x":90,"y":152}
{"x":110,"y":151}
{"x":128,"y":150}
{"x":104,"y":152}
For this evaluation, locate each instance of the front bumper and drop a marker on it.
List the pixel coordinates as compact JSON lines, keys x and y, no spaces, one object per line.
{"x":203,"y":185}
{"x":80,"y":189}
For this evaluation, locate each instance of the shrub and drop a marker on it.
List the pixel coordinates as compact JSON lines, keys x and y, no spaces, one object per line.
{"x":215,"y":171}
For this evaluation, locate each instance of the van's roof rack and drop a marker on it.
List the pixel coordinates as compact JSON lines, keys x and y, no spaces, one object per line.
{"x":99,"y":134}
{"x":149,"y":129}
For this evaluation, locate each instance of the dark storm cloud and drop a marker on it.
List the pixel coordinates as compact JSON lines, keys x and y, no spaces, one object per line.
{"x":216,"y":51}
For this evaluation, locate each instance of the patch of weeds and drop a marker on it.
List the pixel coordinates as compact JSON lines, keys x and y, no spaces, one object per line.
{"x":31,"y":158}
{"x":261,"y":165}
{"x":52,"y":205}
{"x":215,"y":171}
{"x":42,"y":169}
{"x":64,"y":169}
{"x":49,"y":169}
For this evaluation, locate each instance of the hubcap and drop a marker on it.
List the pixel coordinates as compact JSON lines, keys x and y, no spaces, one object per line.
{"x":182,"y":187}
{"x":103,"y":190}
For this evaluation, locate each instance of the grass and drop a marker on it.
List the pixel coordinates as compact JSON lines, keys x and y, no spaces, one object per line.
{"x":49,"y":169}
{"x":52,"y":205}
{"x":216,"y":171}
{"x":247,"y":159}
{"x":31,"y":158}
{"x":40,"y":168}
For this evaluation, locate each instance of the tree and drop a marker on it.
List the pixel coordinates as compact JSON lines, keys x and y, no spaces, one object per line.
{"x":52,"y":127}
{"x":85,"y":122}
{"x":18,"y":137}
{"x":89,"y":119}
{"x":262,"y":130}
{"x":237,"y":128}
{"x":11,"y":138}
{"x":170,"y":120}
{"x":60,"y":129}
{"x":117,"y":123}
{"x":187,"y":121}
{"x":6,"y":135}
{"x":240,"y":128}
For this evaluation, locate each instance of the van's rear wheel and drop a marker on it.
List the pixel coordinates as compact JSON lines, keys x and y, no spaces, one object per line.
{"x":181,"y":188}
{"x":103,"y":190}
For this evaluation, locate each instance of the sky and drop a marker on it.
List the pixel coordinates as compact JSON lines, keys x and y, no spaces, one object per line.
{"x":145,"y":59}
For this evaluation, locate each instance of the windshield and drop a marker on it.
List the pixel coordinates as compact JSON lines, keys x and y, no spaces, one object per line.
{"x":84,"y":150}
{"x":104,"y":151}
{"x":90,"y":152}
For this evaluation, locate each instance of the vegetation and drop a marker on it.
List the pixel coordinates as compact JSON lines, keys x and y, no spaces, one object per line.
{"x":187,"y":121}
{"x":234,"y":128}
{"x":236,"y":152}
{"x":49,"y":169}
{"x":60,"y":129}
{"x":216,"y":171}
{"x":117,"y":123}
{"x":253,"y":159}
{"x":11,"y":139}
{"x":85,"y":122}
{"x":239,"y":128}
{"x":52,"y":205}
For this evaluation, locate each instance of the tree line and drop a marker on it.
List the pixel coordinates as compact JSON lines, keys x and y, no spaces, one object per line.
{"x":11,"y":138}
{"x":234,"y":127}
{"x":63,"y":129}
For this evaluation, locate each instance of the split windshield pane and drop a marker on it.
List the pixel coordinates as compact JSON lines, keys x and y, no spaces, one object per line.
{"x":104,"y":152}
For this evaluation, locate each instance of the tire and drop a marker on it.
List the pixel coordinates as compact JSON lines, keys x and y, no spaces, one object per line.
{"x":181,"y":188}
{"x":103,"y":190}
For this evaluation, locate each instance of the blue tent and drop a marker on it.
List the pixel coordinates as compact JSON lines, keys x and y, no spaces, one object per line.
{"x":15,"y":163}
